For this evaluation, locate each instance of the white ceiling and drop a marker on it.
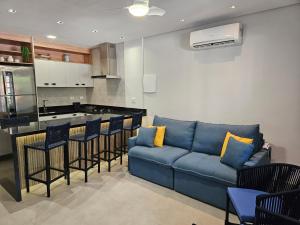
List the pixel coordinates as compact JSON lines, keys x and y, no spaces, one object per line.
{"x":39,"y":17}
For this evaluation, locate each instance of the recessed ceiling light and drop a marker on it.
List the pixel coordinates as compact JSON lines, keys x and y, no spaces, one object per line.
{"x":12,"y":11}
{"x":95,"y":31}
{"x":51,"y":36}
{"x":233,"y":7}
{"x":181,"y":20}
{"x":60,"y":22}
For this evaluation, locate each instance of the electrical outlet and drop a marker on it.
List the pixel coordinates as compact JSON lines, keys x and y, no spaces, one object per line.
{"x":81,"y":97}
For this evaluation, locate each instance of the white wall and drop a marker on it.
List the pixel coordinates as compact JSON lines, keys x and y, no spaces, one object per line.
{"x":133,"y":63}
{"x":258,"y":82}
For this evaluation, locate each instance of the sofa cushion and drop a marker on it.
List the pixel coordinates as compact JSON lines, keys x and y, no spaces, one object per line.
{"x":209,"y":138}
{"x":165,"y":155}
{"x":206,"y":166}
{"x":178,"y":133}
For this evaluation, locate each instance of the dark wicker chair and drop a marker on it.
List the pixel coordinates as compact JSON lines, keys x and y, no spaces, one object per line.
{"x":278,"y":209}
{"x":256,"y":181}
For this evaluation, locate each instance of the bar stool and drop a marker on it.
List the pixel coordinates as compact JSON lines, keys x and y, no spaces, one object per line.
{"x":92,"y":133}
{"x":56,"y":136}
{"x":135,"y":124}
{"x":115,"y":127}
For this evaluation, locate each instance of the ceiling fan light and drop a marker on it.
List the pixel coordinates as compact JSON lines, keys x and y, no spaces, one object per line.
{"x":139,"y":10}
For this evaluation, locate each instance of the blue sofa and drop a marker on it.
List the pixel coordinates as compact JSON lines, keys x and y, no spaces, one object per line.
{"x":189,"y":161}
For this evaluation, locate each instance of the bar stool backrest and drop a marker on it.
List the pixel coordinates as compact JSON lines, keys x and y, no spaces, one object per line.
{"x":92,"y":129}
{"x":136,"y":120}
{"x":115,"y":124}
{"x":57,"y":135}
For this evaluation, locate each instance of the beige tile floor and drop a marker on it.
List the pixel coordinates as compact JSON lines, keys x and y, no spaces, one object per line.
{"x":108,"y":198}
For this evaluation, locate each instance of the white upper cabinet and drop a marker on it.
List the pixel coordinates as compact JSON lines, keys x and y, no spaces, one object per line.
{"x":61,"y":74}
{"x":85,"y":71}
{"x":80,"y":75}
{"x":50,"y":73}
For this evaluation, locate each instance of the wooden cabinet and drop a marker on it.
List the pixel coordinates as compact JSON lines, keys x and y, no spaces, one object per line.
{"x":62,"y":74}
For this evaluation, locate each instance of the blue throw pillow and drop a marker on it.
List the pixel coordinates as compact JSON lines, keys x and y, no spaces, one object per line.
{"x":237,"y":153}
{"x":146,"y":136}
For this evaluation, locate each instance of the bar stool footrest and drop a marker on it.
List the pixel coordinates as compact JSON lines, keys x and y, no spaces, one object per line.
{"x":31,"y":176}
{"x":82,"y":159}
{"x":82,"y":169}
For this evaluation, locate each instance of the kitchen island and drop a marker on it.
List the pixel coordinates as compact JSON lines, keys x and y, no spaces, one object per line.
{"x":14,"y":138}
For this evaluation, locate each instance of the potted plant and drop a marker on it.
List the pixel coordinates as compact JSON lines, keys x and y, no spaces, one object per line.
{"x":25,"y":54}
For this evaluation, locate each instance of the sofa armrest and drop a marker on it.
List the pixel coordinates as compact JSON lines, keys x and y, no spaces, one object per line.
{"x":131,"y":142}
{"x":260,"y":158}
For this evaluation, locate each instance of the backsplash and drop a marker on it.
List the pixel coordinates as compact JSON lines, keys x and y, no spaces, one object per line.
{"x":61,"y":96}
{"x":107,"y":92}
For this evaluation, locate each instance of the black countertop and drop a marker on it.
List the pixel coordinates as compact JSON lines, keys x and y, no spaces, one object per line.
{"x":89,"y":108}
{"x":40,"y":126}
{"x":94,"y":111}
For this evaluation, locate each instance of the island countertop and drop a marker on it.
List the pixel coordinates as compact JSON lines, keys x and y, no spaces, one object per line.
{"x":40,"y":126}
{"x":91,"y":112}
{"x":14,"y":138}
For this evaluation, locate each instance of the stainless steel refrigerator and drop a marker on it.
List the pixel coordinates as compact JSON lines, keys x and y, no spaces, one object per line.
{"x":17,"y":92}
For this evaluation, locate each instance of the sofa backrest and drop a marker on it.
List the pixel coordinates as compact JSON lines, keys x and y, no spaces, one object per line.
{"x":209,"y":137}
{"x":178,"y":133}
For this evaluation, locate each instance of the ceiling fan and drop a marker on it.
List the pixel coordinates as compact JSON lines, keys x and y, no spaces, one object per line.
{"x":141,"y":8}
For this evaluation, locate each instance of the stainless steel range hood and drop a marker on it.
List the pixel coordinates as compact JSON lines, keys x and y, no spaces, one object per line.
{"x":107,"y":61}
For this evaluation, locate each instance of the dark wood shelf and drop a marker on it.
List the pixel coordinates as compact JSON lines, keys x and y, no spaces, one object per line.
{"x":16,"y":64}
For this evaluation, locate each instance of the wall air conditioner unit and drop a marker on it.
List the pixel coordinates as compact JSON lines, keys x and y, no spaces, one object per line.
{"x":220,"y":36}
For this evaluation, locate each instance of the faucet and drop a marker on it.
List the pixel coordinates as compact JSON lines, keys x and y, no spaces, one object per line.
{"x":44,"y":105}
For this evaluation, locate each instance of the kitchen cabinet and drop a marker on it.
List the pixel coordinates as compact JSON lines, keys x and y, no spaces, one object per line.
{"x":62,"y":74}
{"x":50,"y":74}
{"x":80,"y":75}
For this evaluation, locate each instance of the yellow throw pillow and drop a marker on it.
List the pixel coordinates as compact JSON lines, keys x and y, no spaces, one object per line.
{"x":237,"y":138}
{"x":160,"y":136}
